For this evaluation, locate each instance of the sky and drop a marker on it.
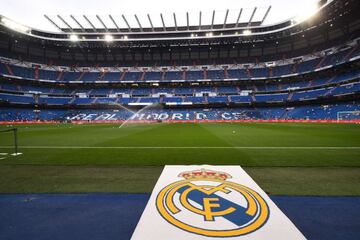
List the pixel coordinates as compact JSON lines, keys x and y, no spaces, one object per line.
{"x":31,"y":13}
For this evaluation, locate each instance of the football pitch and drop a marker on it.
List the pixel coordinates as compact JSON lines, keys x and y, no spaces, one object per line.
{"x":284,"y":158}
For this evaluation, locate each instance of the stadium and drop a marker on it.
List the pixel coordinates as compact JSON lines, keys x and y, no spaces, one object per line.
{"x":92,"y":107}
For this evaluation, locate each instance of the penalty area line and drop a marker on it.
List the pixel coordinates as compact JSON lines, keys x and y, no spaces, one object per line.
{"x":186,"y":147}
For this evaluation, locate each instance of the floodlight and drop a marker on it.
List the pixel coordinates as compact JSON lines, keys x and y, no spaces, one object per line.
{"x":109,"y":38}
{"x":74,"y":38}
{"x":247,"y":32}
{"x":306,"y":11}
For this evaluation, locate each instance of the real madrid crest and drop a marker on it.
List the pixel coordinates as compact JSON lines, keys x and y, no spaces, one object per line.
{"x":205,"y":203}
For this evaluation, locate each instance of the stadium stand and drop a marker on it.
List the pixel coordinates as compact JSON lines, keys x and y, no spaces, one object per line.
{"x":303,"y":79}
{"x":315,"y":112}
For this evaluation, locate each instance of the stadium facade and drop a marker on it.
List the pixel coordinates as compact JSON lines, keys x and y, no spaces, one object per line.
{"x":292,"y":70}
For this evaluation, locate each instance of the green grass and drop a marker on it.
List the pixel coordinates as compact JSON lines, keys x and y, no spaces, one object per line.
{"x":323,"y":165}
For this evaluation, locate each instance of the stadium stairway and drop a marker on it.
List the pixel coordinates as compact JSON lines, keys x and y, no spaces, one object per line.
{"x":72,"y":100}
{"x":163,"y":73}
{"x":330,"y":80}
{"x":123,"y":74}
{"x":102,"y":76}
{"x":142,"y":77}
{"x":350,"y":53}
{"x":226,"y":73}
{"x":81,"y":76}
{"x":248,"y":73}
{"x":289,"y":98}
{"x":60,"y":75}
{"x":183,"y":76}
{"x":310,"y":84}
{"x":270,"y":72}
{"x":205,"y":74}
{"x":253,"y":98}
{"x":323,"y":59}
{"x":8,"y":68}
{"x":36,"y":72}
{"x":294,"y":68}
{"x":328,"y":93}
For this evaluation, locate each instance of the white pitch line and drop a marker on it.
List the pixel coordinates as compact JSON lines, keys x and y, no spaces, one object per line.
{"x":3,"y":154}
{"x":180,"y":147}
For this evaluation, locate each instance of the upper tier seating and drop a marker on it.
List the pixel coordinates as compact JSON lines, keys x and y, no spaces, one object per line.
{"x":143,"y":92}
{"x":244,"y":73}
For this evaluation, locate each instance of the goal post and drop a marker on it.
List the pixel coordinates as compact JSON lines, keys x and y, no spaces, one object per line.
{"x":14,"y":141}
{"x":348,"y":115}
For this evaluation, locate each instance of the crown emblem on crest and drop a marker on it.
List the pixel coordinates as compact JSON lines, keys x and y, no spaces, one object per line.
{"x":205,"y":173}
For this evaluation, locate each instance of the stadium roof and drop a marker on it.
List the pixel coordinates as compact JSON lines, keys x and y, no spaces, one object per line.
{"x":150,"y":14}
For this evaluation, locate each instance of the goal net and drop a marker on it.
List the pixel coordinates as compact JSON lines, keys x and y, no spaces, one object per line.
{"x":8,"y":143}
{"x":348,"y":115}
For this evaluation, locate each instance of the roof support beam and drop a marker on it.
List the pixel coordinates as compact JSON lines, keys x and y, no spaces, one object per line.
{"x":68,"y":25}
{"x":226,"y":16}
{"x":102,"y":23}
{"x":138,"y":21}
{"x":152,"y":26}
{"x":52,"y":22}
{"x":187,"y":20}
{"x":77,"y":22}
{"x":200,"y":20}
{"x":90,"y":23}
{"x":265,"y":16}
{"x":126,"y":22}
{"x":252,"y":16}
{"x":115,"y":23}
{"x":238,"y":19}
{"x":176,"y":27}
{"x":213,"y":19}
{"x":163,"y":22}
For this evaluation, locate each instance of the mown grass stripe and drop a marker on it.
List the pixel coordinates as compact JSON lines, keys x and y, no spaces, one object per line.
{"x":183,"y":147}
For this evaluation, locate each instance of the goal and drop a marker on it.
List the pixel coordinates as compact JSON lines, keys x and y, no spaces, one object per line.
{"x":9,"y":142}
{"x":348,"y":115}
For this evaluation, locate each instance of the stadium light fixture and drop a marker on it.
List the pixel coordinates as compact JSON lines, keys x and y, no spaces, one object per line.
{"x":125,"y":37}
{"x":306,"y":12}
{"x":247,"y":32}
{"x":210,"y":34}
{"x":74,"y":38}
{"x":109,"y":38}
{"x":14,"y":25}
